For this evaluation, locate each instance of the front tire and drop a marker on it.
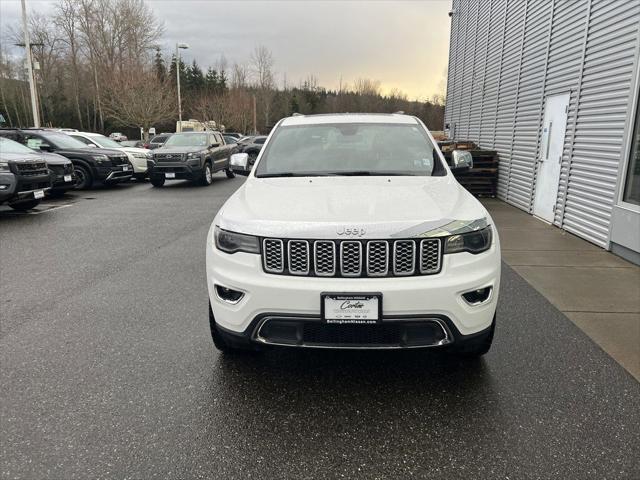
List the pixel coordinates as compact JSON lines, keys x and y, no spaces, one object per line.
{"x":157,"y":181}
{"x":25,"y":205}
{"x":206,"y":177}
{"x":84,"y":179}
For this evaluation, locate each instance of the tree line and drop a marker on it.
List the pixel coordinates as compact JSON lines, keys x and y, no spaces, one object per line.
{"x":100,"y":67}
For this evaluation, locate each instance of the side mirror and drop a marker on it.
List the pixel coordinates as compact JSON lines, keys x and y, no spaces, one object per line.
{"x":240,"y":163}
{"x":461,"y":160}
{"x":214,"y":145}
{"x":46,"y":147}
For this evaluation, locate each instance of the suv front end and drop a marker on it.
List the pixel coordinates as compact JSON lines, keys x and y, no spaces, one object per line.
{"x":24,"y":182}
{"x":350,"y":258}
{"x":267,"y":290}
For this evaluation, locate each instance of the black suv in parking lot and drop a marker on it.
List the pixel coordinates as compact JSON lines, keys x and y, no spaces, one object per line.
{"x":91,"y":165}
{"x":24,"y":176}
{"x":194,"y":156}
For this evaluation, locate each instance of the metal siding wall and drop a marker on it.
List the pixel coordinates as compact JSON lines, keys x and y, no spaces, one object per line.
{"x":475,"y":117}
{"x":604,"y":99}
{"x":564,"y":70}
{"x":462,"y":45}
{"x":451,"y":70}
{"x":508,"y":90}
{"x":491,"y":82}
{"x":469,"y":66}
{"x":528,"y":104}
{"x":507,"y":56}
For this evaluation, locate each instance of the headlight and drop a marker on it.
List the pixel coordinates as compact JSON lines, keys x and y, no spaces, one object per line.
{"x":472,"y":242}
{"x":232,"y":242}
{"x":4,"y":166}
{"x":140,"y":155}
{"x":100,"y":158}
{"x":193,"y":155}
{"x":148,"y":156}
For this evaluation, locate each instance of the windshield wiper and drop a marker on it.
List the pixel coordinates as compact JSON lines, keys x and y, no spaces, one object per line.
{"x":366,"y":173}
{"x":291,"y":174}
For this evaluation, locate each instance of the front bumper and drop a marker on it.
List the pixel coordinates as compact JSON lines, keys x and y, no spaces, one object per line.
{"x":115,"y":174}
{"x":139,"y":164}
{"x":17,"y":187}
{"x":59,"y":183}
{"x":415,"y":299}
{"x":181,"y":170}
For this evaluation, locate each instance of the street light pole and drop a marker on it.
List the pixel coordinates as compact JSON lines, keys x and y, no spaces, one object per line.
{"x":178,"y":47}
{"x":32,"y":86}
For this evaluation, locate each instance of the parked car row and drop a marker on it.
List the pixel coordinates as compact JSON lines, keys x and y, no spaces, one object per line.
{"x":26,"y":176}
{"x":35,"y":162}
{"x":92,"y":165}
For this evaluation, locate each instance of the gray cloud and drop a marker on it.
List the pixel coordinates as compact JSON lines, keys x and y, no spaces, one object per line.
{"x":404,"y":44}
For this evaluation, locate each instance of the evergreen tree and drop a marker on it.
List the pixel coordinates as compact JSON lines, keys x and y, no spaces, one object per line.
{"x":211,"y":79}
{"x":294,"y":107}
{"x":222,"y":81}
{"x":159,"y":66}
{"x":172,"y":71}
{"x":195,"y":78}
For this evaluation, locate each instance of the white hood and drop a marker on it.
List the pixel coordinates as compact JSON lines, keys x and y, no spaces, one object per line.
{"x":144,"y":151}
{"x":322,"y":207}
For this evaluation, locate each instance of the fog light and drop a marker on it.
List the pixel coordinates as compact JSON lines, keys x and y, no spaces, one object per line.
{"x":477,"y":297}
{"x":229,"y":295}
{"x":4,"y":187}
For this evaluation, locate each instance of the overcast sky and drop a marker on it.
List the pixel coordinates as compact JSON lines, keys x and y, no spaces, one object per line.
{"x":404,"y":44}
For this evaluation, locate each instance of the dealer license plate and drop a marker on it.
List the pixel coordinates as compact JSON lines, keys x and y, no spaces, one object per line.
{"x":67,"y":178}
{"x":348,"y":308}
{"x":38,"y":194}
{"x":170,"y":175}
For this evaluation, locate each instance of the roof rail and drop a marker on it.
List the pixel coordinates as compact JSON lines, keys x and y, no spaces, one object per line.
{"x":399,"y":112}
{"x":296,"y":114}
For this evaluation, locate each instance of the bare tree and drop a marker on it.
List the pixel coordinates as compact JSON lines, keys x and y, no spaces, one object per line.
{"x":139,"y":100}
{"x":367,"y":87}
{"x":239,"y":75}
{"x":262,"y":66}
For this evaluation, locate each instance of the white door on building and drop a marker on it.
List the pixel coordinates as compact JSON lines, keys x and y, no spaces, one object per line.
{"x":550,"y":156}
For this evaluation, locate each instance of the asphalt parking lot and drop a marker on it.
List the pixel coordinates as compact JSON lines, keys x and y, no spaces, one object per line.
{"x":108,"y":370}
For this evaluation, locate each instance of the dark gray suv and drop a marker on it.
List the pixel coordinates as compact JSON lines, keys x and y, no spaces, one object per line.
{"x":193,"y":156}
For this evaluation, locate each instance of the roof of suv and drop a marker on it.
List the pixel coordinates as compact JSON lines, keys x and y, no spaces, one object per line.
{"x":349,"y":118}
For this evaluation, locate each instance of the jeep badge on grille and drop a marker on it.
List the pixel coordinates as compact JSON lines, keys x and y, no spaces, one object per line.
{"x":351,"y":231}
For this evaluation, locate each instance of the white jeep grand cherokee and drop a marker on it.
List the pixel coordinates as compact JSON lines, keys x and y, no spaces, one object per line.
{"x":351,"y":232}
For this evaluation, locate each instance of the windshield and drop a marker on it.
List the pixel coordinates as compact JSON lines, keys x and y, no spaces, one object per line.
{"x":62,"y":140}
{"x":187,"y":140}
{"x":9,"y":146}
{"x":350,"y":149}
{"x":105,"y":142}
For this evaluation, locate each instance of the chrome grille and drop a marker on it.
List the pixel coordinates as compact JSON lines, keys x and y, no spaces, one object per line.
{"x":118,"y":159}
{"x":352,"y":258}
{"x":430,"y":256}
{"x":299,"y":258}
{"x":31,"y":169}
{"x":404,"y":255}
{"x":273,"y":256}
{"x":377,"y":258}
{"x":167,"y":157}
{"x":324,"y":253}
